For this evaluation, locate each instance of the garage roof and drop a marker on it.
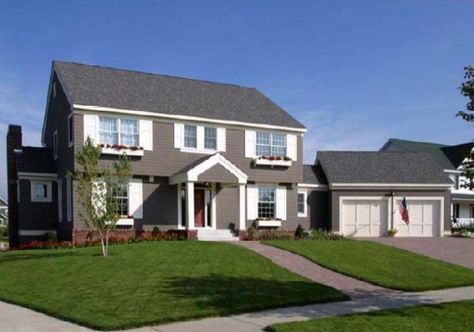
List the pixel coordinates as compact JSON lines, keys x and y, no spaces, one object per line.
{"x":364,"y":167}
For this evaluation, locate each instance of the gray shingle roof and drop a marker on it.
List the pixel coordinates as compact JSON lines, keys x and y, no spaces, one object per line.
{"x":381,"y":167}
{"x":313,"y":175}
{"x":132,"y":90}
{"x":35,"y":160}
{"x":457,"y":153}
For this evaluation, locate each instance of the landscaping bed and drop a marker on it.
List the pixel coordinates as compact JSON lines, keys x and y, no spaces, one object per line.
{"x":151,"y":283}
{"x":380,"y":264}
{"x":455,"y":316}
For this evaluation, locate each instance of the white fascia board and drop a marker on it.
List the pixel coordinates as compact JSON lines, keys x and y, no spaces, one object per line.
{"x":37,"y":176}
{"x":185,"y":118}
{"x":312,"y":186}
{"x":391,"y":185}
{"x":194,"y":173}
{"x":452,"y":171}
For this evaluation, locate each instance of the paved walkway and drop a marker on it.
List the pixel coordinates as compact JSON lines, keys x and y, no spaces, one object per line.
{"x":449,"y":249}
{"x":353,"y":287}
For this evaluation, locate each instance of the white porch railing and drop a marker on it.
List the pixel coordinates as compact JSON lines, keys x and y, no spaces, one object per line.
{"x":462,"y":222}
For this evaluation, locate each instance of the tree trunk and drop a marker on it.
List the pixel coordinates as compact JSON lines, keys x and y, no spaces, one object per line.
{"x":102,"y":242}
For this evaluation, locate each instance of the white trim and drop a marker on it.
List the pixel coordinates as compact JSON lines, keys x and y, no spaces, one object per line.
{"x":269,"y":223}
{"x":193,"y":173}
{"x":180,"y":216}
{"x":49,"y":193}
{"x":214,"y":205}
{"x":453,"y":171}
{"x":190,"y":205}
{"x":37,"y":176}
{"x":242,"y":201}
{"x":27,"y":232}
{"x":185,"y":118}
{"x":305,"y":212}
{"x":268,"y":162}
{"x":70,"y":140}
{"x":125,"y":222}
{"x":390,"y":185}
{"x":312,"y":185}
{"x":128,"y":152}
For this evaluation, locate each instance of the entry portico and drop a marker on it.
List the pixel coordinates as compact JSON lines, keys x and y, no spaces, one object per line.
{"x":198,"y":187}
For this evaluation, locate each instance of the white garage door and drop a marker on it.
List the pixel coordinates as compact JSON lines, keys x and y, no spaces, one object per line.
{"x":366,"y":217}
{"x":424,"y":218}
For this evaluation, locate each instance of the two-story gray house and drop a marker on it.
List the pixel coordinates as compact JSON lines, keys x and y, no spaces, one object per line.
{"x":204,"y":156}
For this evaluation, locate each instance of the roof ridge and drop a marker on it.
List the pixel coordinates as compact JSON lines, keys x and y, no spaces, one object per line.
{"x":152,"y":74}
{"x":419,"y":142}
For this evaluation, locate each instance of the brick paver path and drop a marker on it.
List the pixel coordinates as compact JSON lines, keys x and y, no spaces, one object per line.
{"x":353,"y":287}
{"x":449,"y":249}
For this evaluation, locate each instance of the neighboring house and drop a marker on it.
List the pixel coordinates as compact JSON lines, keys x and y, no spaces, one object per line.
{"x":3,"y":213}
{"x":204,"y":155}
{"x":449,"y":157}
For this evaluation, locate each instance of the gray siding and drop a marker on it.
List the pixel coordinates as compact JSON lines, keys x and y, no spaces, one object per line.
{"x":335,"y":195}
{"x":227,"y":207}
{"x":318,"y":209}
{"x":165,"y":160}
{"x":217,"y":173}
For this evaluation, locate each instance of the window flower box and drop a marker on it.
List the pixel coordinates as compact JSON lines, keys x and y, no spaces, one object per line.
{"x":125,"y":221}
{"x":119,"y":149}
{"x":261,"y":222}
{"x":273,"y":161}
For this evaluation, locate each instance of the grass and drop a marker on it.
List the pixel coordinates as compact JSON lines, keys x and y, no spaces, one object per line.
{"x":380,"y":264}
{"x":456,"y":316}
{"x":151,"y":283}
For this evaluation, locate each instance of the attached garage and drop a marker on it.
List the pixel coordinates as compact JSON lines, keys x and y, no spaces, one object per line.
{"x":361,"y":216}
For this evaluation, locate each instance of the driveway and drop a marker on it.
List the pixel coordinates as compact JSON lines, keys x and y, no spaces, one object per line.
{"x":449,"y":249}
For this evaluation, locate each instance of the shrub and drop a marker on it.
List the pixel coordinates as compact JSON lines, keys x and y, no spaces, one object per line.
{"x":322,"y":234}
{"x":50,"y":236}
{"x":299,"y":233}
{"x":155,"y":232}
{"x":392,"y":232}
{"x":251,"y":233}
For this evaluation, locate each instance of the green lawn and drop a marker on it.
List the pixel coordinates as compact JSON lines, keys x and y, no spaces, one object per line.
{"x":151,"y":283}
{"x":457,"y":316}
{"x":380,"y":264}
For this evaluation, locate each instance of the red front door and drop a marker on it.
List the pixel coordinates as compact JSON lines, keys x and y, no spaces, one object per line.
{"x":199,"y":208}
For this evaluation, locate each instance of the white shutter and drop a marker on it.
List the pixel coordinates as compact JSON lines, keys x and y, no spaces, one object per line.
{"x":99,"y":192}
{"x":200,"y":137}
{"x":291,"y":146}
{"x":252,"y":202}
{"x":91,"y":127}
{"x":281,"y":203}
{"x":146,"y":134}
{"x":178,"y":135}
{"x":135,"y":198}
{"x":221,"y":139}
{"x":250,"y":141}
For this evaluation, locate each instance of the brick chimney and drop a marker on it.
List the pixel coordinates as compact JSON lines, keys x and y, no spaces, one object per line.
{"x":14,"y":142}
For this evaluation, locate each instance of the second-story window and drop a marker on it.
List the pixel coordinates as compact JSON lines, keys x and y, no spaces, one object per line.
{"x":108,"y":131}
{"x":271,"y":144}
{"x":129,"y":132}
{"x":210,"y":138}
{"x":190,"y":136}
{"x":118,"y":131}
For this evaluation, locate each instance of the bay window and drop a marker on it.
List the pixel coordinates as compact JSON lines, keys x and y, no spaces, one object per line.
{"x":266,"y":202}
{"x":270,"y":144}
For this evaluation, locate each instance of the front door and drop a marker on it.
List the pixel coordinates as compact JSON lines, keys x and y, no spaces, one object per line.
{"x":199,"y":208}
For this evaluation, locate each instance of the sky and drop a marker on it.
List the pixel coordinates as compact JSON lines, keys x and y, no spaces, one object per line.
{"x":354,"y":72}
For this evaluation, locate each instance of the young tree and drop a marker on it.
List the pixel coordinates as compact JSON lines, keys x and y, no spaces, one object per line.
{"x":467,"y":89}
{"x":97,"y":187}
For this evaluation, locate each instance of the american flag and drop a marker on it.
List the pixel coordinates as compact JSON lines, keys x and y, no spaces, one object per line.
{"x":404,"y":211}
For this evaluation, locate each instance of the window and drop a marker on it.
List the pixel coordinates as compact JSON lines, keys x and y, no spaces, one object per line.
{"x":302,"y":204}
{"x":118,"y":131}
{"x":70,"y":130}
{"x":271,"y":144}
{"x":210,"y":138}
{"x":190,"y":136}
{"x":129,"y":132}
{"x":40,"y":191}
{"x":456,"y":210}
{"x":55,"y":144}
{"x":120,"y":197}
{"x":108,"y":131}
{"x":266,"y":202}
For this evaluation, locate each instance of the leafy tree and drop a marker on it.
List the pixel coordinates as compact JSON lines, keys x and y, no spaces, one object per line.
{"x":95,"y":187}
{"x":467,"y":90}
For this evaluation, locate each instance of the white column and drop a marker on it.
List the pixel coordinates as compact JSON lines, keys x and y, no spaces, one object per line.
{"x":190,"y":205}
{"x":242,"y":206}
{"x":213,"y":205}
